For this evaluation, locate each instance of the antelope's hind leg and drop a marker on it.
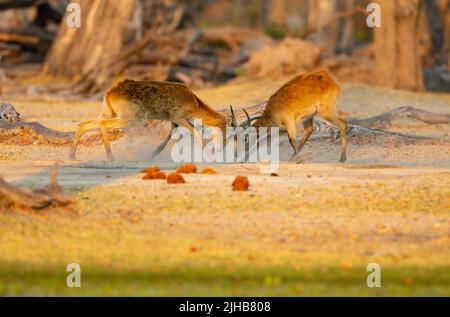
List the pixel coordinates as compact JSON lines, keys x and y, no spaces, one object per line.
{"x":83,"y":127}
{"x":163,"y":145}
{"x":291,"y":130}
{"x":342,"y":124}
{"x":343,"y":127}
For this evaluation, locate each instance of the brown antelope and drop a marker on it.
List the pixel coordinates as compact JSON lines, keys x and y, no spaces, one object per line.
{"x":300,"y":100}
{"x":130,"y":102}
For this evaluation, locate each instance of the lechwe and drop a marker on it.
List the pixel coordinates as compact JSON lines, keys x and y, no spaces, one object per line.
{"x":300,"y":100}
{"x":131,"y":102}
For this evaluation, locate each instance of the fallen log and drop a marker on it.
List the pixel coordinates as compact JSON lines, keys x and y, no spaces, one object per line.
{"x":50,"y":197}
{"x":29,"y":132}
{"x":323,"y":130}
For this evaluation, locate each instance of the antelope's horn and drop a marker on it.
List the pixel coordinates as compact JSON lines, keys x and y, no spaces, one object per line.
{"x":233,"y":117}
{"x":249,"y":120}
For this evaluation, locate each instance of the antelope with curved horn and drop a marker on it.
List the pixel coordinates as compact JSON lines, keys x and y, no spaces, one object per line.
{"x":300,"y":100}
{"x":130,"y":102}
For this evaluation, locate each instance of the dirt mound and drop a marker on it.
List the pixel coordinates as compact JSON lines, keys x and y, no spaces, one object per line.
{"x":288,"y":57}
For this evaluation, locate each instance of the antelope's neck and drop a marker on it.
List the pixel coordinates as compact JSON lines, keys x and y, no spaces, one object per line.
{"x":263,"y":122}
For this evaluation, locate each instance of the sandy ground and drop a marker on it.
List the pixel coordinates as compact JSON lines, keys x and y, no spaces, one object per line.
{"x":389,"y":205}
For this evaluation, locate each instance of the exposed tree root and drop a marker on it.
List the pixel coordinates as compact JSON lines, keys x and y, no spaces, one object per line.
{"x":384,"y":120}
{"x":48,"y":198}
{"x":358,"y":134}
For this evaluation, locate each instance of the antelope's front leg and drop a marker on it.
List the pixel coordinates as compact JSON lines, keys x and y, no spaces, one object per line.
{"x":106,"y":125}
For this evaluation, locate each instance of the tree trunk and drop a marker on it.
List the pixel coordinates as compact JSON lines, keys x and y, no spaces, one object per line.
{"x":78,"y":50}
{"x":444,"y":6}
{"x":398,"y":62}
{"x":436,"y":30}
{"x":278,"y":13}
{"x":346,"y":27}
{"x":319,"y":13}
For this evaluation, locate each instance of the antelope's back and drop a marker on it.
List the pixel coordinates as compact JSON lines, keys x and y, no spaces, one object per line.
{"x":143,"y":100}
{"x":305,"y":90}
{"x":150,"y":99}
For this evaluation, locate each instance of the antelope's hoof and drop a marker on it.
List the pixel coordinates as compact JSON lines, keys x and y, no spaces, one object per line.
{"x":111,"y":158}
{"x":300,"y":159}
{"x":154,"y":154}
{"x":293,"y":158}
{"x":343,"y":159}
{"x":72,"y":157}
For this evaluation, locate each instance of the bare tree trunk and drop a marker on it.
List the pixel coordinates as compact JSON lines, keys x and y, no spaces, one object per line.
{"x":436,"y":29}
{"x":319,"y":13}
{"x":78,"y":50}
{"x":398,"y":62}
{"x":278,"y":13}
{"x":444,"y":6}
{"x":346,"y":27}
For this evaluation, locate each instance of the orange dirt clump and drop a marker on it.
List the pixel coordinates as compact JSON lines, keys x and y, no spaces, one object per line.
{"x":151,"y":169}
{"x":175,"y":178}
{"x":240,"y":183}
{"x":209,"y":171}
{"x":187,"y":169}
{"x":154,"y":175}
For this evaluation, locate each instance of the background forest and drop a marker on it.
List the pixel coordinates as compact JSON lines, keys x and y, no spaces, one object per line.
{"x":208,"y":42}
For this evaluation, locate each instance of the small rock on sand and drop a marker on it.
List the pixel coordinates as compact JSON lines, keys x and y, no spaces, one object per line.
{"x":240,"y":183}
{"x":175,"y":178}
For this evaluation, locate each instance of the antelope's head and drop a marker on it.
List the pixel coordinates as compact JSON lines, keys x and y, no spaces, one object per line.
{"x":233,"y":122}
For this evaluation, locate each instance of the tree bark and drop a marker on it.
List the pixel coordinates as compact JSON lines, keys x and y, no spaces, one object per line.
{"x":346,"y":27}
{"x":78,"y":50}
{"x":278,"y":13}
{"x":396,"y":51}
{"x":436,"y":30}
{"x":320,"y":12}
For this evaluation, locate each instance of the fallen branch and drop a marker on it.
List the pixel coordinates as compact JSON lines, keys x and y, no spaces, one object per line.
{"x":35,"y":131}
{"x":50,"y":197}
{"x":18,"y":38}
